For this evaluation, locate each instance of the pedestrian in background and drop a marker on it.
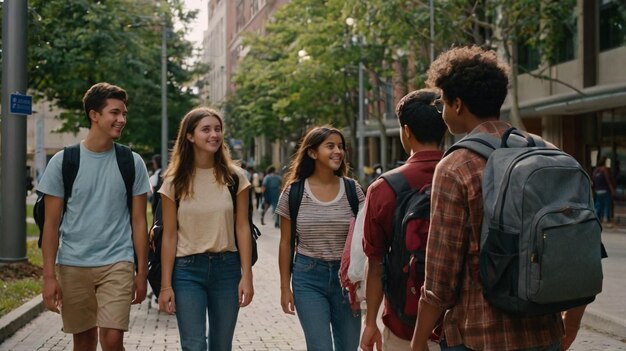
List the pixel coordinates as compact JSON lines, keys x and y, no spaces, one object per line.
{"x":271,"y":191}
{"x":473,"y":86}
{"x":321,"y":227}
{"x":94,"y":237}
{"x":258,"y":190}
{"x":604,"y":189}
{"x":207,"y":250}
{"x":421,"y":133}
{"x":155,"y":182}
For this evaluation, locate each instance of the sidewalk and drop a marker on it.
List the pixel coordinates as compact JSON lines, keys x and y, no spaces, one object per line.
{"x":263,"y":326}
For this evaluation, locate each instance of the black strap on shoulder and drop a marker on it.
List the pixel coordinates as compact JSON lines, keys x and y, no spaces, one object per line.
{"x":296,"y":191}
{"x":69,"y":170}
{"x":353,"y":197}
{"x":397,"y":181}
{"x":232,"y":189}
{"x":126,"y":164}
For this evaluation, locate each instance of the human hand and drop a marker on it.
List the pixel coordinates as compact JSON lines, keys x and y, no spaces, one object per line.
{"x":246,"y":291}
{"x":52,"y":294}
{"x":371,"y":338}
{"x":140,"y":289}
{"x":167,"y":302}
{"x":286,"y":300}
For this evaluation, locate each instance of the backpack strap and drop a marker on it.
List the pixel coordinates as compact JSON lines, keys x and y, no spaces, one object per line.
{"x":397,"y":181}
{"x":484,"y":144}
{"x":69,"y":170}
{"x":481,"y":143}
{"x":296,"y":191}
{"x":126,"y":164}
{"x":353,"y":197}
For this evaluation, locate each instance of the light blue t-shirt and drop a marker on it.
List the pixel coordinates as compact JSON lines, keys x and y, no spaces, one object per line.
{"x":96,"y":229}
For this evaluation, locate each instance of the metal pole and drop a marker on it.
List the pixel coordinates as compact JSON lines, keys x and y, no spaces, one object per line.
{"x":360,"y":126}
{"x":164,"y":135}
{"x":432,"y":31}
{"x":13,"y":143}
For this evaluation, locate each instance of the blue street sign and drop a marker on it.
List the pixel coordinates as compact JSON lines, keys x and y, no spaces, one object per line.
{"x":21,"y":104}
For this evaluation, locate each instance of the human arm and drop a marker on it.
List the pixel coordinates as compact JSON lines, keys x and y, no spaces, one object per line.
{"x":140,"y":243}
{"x":427,"y":317}
{"x":244,"y":245}
{"x":453,"y":222}
{"x":374,"y":291}
{"x":52,"y":294}
{"x":571,"y":320}
{"x":284,"y":265}
{"x":168,"y":254}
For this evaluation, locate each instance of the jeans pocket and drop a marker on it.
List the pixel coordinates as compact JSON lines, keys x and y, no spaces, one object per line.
{"x":184,"y":261}
{"x":303,"y":265}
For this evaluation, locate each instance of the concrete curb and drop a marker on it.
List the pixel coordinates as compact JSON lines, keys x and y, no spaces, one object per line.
{"x":602,"y":322}
{"x":19,"y":317}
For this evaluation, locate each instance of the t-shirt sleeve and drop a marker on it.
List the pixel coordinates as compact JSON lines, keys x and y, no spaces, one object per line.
{"x":378,"y":221}
{"x":142,"y":182}
{"x":51,"y":182}
{"x":244,"y":182}
{"x":283,"y":204}
{"x":167,"y":189}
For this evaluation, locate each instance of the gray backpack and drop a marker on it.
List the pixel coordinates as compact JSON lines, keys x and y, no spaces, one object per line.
{"x":540,"y":249}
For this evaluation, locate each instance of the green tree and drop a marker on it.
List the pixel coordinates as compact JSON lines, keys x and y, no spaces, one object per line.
{"x":74,"y":44}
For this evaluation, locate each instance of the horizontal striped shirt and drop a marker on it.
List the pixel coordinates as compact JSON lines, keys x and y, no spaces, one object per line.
{"x":322,"y":227}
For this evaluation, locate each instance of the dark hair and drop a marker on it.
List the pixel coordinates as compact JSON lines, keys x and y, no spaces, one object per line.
{"x":270,"y":169}
{"x":302,"y":165}
{"x":474,"y":75}
{"x":96,"y":97}
{"x":182,"y":167}
{"x":416,"y":110}
{"x":157,"y":160}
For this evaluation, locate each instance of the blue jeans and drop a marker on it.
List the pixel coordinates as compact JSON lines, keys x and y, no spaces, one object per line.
{"x":603,"y":205}
{"x":207,"y":285}
{"x":553,"y":347}
{"x":322,"y":306}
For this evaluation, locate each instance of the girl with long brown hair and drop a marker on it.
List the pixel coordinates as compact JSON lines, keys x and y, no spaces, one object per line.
{"x":322,"y":224}
{"x":207,"y":250}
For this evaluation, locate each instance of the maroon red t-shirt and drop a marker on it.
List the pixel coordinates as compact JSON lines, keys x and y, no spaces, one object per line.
{"x":378,"y":226}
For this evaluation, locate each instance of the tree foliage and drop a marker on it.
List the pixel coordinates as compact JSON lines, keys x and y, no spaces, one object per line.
{"x":75,"y":44}
{"x":278,"y":92}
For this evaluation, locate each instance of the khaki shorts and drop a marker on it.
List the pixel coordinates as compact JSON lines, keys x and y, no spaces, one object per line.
{"x":96,"y":296}
{"x":391,"y":342}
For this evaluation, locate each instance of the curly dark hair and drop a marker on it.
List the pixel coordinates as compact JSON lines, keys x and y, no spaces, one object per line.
{"x":474,"y":75}
{"x":417,"y":111}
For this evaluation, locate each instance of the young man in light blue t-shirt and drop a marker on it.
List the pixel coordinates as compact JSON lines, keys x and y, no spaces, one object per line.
{"x":89,"y":272}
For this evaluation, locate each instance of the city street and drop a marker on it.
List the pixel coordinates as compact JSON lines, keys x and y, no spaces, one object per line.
{"x":263,"y":326}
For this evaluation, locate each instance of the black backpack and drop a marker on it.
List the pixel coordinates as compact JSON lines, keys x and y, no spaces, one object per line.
{"x":404,"y":264}
{"x":69,"y":169}
{"x":296,"y":191}
{"x":156,"y":238}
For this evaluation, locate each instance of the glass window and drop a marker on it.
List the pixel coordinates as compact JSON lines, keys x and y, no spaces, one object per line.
{"x":612,"y":24}
{"x":613,"y":145}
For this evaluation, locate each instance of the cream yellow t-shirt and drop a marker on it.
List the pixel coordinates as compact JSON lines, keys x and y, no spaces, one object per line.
{"x":205,"y":220}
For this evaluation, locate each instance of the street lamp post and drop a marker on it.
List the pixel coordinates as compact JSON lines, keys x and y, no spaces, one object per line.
{"x":164,"y":134}
{"x":13,"y":142}
{"x":360,"y":126}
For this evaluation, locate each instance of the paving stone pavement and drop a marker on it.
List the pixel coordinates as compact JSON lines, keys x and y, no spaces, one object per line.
{"x":261,"y":326}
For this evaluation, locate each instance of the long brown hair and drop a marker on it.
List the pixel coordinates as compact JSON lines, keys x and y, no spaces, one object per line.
{"x":182,"y":168}
{"x":302,"y":165}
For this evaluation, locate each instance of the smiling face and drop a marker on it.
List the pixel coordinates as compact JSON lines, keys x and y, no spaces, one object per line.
{"x":112,"y":119}
{"x":207,"y":136}
{"x":330,"y":153}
